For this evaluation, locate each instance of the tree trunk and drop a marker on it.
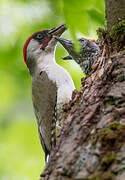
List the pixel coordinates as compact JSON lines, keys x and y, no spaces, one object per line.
{"x":91,"y":145}
{"x":115,"y":12}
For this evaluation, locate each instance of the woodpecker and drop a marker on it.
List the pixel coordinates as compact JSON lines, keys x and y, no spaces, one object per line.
{"x":52,"y":85}
{"x":85,"y":57}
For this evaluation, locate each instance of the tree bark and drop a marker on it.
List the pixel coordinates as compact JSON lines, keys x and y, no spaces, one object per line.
{"x":91,"y":145}
{"x":115,"y":12}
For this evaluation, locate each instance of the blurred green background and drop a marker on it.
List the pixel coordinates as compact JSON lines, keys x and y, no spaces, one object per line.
{"x":21,"y":155}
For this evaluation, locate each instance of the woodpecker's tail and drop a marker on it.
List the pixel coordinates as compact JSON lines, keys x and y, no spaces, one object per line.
{"x":47,"y":158}
{"x":47,"y":153}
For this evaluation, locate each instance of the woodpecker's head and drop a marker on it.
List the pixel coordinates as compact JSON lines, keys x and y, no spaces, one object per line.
{"x":40,"y":44}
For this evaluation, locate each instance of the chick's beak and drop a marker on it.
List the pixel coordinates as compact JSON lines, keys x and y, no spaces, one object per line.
{"x":69,"y":47}
{"x":67,"y":44}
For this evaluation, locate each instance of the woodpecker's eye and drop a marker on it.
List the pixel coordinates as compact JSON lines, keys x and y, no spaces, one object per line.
{"x":39,"y":36}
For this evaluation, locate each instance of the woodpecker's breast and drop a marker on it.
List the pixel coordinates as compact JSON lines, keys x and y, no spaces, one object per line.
{"x":65,"y":87}
{"x":64,"y":83}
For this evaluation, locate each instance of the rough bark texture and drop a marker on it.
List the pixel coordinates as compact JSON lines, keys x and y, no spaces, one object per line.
{"x":91,"y":145}
{"x":115,"y":11}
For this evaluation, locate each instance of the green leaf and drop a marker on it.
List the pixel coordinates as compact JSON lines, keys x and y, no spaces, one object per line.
{"x":100,"y":5}
{"x":80,"y":15}
{"x":96,"y":16}
{"x":57,"y":6}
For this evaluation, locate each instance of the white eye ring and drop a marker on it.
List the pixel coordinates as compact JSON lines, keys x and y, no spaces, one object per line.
{"x":39,"y":36}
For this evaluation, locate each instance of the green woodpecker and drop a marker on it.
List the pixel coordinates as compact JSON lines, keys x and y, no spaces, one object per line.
{"x":52,"y":86}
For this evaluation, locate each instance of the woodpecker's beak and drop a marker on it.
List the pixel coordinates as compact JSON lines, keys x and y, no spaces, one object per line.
{"x":58,"y":31}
